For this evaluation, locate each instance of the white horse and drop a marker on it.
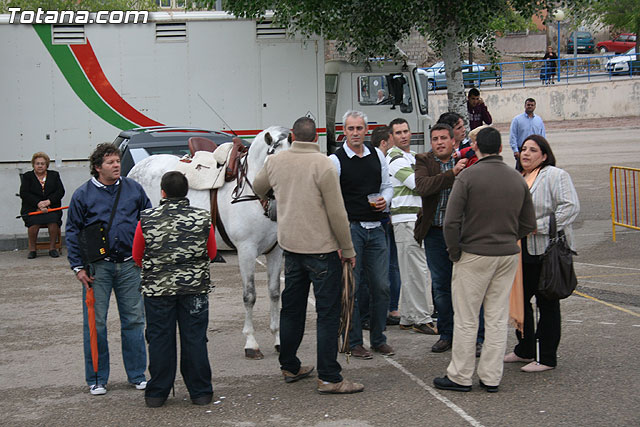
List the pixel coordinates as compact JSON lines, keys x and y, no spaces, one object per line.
{"x":248,"y":228}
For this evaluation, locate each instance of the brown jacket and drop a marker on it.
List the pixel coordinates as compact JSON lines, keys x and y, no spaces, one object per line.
{"x":489,"y":210}
{"x":429,"y":182}
{"x":311,"y":214}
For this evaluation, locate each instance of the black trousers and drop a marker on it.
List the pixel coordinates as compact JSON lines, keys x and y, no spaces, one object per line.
{"x":191,"y":312}
{"x":548,"y":328}
{"x":325,"y":272}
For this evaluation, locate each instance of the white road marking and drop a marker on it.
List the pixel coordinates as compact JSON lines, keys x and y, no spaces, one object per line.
{"x":458,"y":410}
{"x":607,"y":323}
{"x":574,"y":321}
{"x":637,"y":326}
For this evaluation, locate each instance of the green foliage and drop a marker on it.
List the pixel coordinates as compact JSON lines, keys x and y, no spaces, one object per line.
{"x":621,"y":15}
{"x":512,"y":22}
{"x":90,"y":5}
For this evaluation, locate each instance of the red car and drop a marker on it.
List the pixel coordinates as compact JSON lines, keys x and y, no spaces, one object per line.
{"x":621,"y":44}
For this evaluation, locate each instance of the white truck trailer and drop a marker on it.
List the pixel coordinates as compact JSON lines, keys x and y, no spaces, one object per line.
{"x":66,"y":88}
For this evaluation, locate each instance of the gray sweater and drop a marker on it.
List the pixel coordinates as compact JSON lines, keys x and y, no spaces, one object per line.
{"x":489,"y":210}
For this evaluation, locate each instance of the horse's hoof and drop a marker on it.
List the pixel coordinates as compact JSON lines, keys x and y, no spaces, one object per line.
{"x":278,"y":348}
{"x":254,"y":354}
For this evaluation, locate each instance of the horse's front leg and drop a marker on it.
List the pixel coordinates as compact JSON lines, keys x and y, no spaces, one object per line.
{"x":274,"y":267}
{"x":247,"y":263}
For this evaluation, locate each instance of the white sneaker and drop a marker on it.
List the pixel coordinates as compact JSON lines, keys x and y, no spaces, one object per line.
{"x":98,"y":389}
{"x":141,"y":385}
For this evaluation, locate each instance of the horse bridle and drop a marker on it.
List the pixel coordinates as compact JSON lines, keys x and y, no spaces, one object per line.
{"x":272,"y":148}
{"x":242,"y":181}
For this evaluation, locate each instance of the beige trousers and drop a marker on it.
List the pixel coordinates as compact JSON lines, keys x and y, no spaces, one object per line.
{"x":476,"y":281}
{"x":416,"y":301}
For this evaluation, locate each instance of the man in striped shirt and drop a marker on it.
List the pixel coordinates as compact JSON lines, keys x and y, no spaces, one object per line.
{"x":416,"y":302}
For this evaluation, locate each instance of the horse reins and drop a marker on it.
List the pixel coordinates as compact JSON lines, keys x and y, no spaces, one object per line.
{"x":242,"y":182}
{"x":236,"y":196}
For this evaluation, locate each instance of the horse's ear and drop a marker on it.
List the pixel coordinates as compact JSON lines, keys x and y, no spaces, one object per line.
{"x":268,"y":139}
{"x":290,"y":138}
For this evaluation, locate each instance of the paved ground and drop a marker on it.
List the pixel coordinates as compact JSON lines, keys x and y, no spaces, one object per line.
{"x":42,"y":383}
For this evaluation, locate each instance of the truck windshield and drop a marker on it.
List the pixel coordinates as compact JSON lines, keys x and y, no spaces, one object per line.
{"x":422,"y":88}
{"x":391,"y":89}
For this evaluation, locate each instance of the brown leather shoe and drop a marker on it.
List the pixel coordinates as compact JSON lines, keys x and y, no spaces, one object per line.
{"x":426,"y":328}
{"x":343,"y":387}
{"x":441,"y":346}
{"x":361,"y":353}
{"x":384,"y":349}
{"x":303,"y":372}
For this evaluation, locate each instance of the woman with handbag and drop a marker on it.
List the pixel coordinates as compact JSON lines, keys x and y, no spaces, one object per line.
{"x":40,"y":190}
{"x":552,"y":192}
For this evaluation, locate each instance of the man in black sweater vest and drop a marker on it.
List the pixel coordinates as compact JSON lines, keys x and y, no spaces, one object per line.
{"x":367,"y":191}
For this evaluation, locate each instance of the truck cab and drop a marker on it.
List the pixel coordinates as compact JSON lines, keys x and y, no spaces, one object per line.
{"x":384,"y":91}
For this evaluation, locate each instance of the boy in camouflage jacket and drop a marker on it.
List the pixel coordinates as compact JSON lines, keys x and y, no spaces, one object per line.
{"x":174,"y":244}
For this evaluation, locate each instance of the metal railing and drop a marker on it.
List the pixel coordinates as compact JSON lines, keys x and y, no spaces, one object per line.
{"x":563,"y":70}
{"x":625,"y":198}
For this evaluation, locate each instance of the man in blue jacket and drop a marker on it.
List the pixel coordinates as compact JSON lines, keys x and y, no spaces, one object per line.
{"x":92,"y":202}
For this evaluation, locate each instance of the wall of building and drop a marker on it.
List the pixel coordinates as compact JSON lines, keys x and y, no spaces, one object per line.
{"x":572,"y":101}
{"x":524,"y":43}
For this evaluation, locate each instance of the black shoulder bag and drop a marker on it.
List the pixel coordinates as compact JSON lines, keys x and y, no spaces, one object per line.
{"x":557,"y":278}
{"x":93,"y":240}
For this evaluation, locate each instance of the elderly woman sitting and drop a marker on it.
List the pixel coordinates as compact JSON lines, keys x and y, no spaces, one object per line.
{"x":41,"y":190}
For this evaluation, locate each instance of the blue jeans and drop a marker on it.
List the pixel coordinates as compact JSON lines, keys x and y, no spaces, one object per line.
{"x":325,"y":271}
{"x":441,"y":268}
{"x":372,"y":265}
{"x":394,"y":278}
{"x":192,"y":315}
{"x":394,"y":269}
{"x":124,"y":280}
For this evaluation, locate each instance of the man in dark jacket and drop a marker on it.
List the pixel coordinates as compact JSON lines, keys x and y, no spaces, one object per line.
{"x":93,"y":201}
{"x":435,"y":173}
{"x":478,"y":112}
{"x":489,"y":210}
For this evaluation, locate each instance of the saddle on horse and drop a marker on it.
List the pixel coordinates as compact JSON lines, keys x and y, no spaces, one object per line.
{"x":211,"y":165}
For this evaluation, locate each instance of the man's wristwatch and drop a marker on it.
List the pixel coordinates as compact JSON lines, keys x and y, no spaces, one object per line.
{"x":76,"y":270}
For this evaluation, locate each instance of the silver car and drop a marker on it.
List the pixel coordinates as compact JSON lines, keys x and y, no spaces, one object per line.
{"x":437,"y":76}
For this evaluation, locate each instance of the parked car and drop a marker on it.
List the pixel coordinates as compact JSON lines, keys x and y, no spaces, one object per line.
{"x":585,"y":42}
{"x":139,"y":143}
{"x":620,"y":44}
{"x":621,"y":64}
{"x":437,"y":76}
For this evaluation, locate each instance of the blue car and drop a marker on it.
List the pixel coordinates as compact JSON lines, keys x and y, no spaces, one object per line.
{"x":585,"y":42}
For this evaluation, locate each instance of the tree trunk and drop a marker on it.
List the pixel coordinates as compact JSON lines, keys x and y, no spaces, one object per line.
{"x":453,"y":67}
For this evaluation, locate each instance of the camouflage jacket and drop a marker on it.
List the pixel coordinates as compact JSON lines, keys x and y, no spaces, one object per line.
{"x":175,"y":258}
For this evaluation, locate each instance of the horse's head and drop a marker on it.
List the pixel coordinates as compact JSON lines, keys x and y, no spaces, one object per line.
{"x":270,"y":141}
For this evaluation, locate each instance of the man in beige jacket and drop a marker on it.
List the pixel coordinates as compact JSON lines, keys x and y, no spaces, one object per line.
{"x":314,"y":232}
